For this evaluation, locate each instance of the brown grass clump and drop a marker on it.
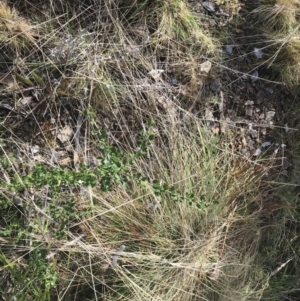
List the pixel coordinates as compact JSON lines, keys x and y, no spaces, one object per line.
{"x":279,"y":15}
{"x":280,"y":23}
{"x":15,"y":31}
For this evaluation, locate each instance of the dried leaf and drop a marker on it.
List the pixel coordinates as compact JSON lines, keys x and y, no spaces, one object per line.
{"x":35,"y":149}
{"x":116,"y":256}
{"x":65,"y":161}
{"x":65,"y":134}
{"x":215,"y":274}
{"x":270,"y":115}
{"x":156,"y":73}
{"x":4,"y":176}
{"x":7,"y":79}
{"x":205,"y":67}
{"x":26,"y":100}
{"x":76,"y":159}
{"x":114,"y":260}
{"x":209,"y":116}
{"x":249,"y":103}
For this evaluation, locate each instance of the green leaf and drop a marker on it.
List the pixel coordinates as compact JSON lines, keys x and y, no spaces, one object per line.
{"x":151,"y":122}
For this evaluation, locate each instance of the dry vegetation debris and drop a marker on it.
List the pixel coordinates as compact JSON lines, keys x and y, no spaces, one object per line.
{"x":152,"y":128}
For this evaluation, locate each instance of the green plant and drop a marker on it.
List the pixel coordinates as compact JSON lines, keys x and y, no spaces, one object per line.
{"x":33,"y":280}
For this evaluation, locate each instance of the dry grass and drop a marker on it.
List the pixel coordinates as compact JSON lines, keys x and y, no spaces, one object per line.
{"x":16,"y":31}
{"x":177,"y":252}
{"x":280,"y":15}
{"x":139,"y":59}
{"x":279,"y":20}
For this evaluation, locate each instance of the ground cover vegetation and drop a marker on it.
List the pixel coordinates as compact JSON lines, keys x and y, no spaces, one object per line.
{"x":149,"y":150}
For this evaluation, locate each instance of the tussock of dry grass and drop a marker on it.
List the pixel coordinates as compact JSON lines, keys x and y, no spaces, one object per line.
{"x":279,"y":15}
{"x":279,"y":21}
{"x":287,"y":60}
{"x":15,"y":30}
{"x":178,"y":252}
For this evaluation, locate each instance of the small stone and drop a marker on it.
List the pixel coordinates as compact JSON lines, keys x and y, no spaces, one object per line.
{"x":257,"y":152}
{"x":229,"y":49}
{"x":269,"y":91}
{"x":249,"y":103}
{"x":258,"y":53}
{"x":209,"y":6}
{"x":266,"y":144}
{"x":254,"y":76}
